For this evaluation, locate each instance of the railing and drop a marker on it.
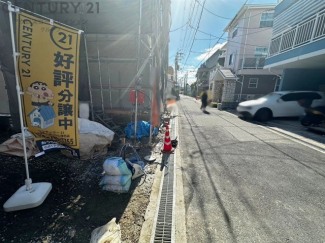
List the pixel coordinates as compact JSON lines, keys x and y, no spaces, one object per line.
{"x":306,"y":32}
{"x":244,"y":97}
{"x":252,"y":63}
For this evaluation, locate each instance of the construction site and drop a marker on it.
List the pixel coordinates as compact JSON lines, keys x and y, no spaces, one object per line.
{"x":123,"y":68}
{"x":124,"y":47}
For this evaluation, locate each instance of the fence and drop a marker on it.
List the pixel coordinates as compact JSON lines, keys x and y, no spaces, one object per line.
{"x":244,"y":97}
{"x":306,"y":32}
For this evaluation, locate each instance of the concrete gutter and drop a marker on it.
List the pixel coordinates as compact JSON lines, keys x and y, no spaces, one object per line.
{"x":149,"y":218}
{"x":179,"y":220}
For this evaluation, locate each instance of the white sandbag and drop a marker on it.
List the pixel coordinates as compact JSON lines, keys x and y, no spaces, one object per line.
{"x":115,"y":180}
{"x":14,"y":146}
{"x":90,"y":146}
{"x":86,"y":126}
{"x":116,"y":166}
{"x":118,"y":188}
{"x":110,"y":232}
{"x":28,"y":135}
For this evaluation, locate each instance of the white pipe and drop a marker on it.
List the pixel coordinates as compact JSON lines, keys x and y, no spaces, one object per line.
{"x":249,"y":20}
{"x":269,"y":69}
{"x":241,"y":88}
{"x":28,"y":181}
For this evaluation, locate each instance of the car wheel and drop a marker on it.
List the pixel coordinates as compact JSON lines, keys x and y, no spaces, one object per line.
{"x":263,"y":115}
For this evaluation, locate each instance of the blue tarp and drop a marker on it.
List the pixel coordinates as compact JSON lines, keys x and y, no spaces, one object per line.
{"x":143,"y":130}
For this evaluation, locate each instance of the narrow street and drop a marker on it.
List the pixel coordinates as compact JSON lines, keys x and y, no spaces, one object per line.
{"x":244,"y":183}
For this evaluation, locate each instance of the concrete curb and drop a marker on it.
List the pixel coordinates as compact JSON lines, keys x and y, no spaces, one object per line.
{"x":147,"y":227}
{"x":180,"y":214}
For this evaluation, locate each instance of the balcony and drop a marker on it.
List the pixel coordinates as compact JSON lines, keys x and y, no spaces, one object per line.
{"x":252,"y":63}
{"x":306,"y":32}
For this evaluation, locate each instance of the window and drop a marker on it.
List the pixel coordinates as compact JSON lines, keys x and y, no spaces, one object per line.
{"x":266,"y":20}
{"x":235,"y":30}
{"x":231,"y":59}
{"x":261,"y":51}
{"x":301,"y":96}
{"x":253,"y":83}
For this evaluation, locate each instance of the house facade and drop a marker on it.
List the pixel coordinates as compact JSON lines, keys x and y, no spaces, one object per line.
{"x":297,"y":47}
{"x":170,"y":84}
{"x":203,"y":75}
{"x":249,"y":34}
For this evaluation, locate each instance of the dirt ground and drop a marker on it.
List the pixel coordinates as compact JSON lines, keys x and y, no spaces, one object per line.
{"x":76,"y":205}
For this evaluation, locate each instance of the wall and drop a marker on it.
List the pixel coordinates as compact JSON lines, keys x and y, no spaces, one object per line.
{"x":213,"y":60}
{"x":228,"y":91}
{"x":266,"y":84}
{"x":234,"y":44}
{"x":302,"y":79}
{"x":256,"y":37}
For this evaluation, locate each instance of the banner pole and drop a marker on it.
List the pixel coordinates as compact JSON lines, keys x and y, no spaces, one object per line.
{"x":28,"y":181}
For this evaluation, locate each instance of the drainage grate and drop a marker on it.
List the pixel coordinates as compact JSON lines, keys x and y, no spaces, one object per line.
{"x":164,"y":223}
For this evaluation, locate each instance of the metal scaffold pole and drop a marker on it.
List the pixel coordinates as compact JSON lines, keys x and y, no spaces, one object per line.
{"x":137,"y":81}
{"x":109,"y":85}
{"x":100,"y":77}
{"x":89,"y":82}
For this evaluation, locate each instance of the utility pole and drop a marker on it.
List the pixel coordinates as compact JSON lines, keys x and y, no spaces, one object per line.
{"x":178,"y":55}
{"x":185,"y":83}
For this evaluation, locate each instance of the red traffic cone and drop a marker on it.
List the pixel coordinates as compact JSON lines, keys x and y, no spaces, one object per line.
{"x":168,"y":143}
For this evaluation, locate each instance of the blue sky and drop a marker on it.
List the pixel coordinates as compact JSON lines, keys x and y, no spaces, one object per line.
{"x":209,"y":23}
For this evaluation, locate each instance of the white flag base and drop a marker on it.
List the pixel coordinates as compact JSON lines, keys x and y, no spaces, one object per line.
{"x":23,"y":199}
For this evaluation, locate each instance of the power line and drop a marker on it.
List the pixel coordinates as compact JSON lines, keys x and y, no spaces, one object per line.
{"x":172,"y":56}
{"x":215,"y":43}
{"x":190,"y":15}
{"x":178,"y":28}
{"x":216,"y":37}
{"x":231,"y":18}
{"x":229,"y":40}
{"x":191,"y":35}
{"x":210,"y":50}
{"x":197,"y":28}
{"x":182,"y":28}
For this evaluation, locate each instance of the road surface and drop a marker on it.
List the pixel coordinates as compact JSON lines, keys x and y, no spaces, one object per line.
{"x":244,"y":183}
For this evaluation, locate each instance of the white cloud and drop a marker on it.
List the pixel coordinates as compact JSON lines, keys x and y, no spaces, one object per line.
{"x":209,"y":52}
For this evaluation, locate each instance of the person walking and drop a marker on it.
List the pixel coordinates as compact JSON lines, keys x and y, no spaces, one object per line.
{"x":204,"y":100}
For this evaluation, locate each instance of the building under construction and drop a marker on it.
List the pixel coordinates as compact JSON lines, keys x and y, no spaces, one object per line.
{"x":124,"y":46}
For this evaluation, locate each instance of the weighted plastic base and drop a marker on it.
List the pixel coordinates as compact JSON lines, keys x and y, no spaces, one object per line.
{"x":23,"y":199}
{"x":150,"y":158}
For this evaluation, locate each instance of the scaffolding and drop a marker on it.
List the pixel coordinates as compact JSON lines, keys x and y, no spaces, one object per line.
{"x":123,"y":41}
{"x":119,"y":73}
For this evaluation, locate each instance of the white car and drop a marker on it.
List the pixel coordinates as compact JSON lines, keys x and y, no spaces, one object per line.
{"x":280,"y":104}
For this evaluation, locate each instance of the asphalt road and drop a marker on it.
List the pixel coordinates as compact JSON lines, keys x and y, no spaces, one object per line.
{"x":243,"y":183}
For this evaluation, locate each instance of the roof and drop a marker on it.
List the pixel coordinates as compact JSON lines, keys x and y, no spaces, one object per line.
{"x":46,"y":112}
{"x":244,"y":8}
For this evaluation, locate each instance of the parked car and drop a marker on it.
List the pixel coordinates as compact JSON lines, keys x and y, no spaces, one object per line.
{"x":280,"y":104}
